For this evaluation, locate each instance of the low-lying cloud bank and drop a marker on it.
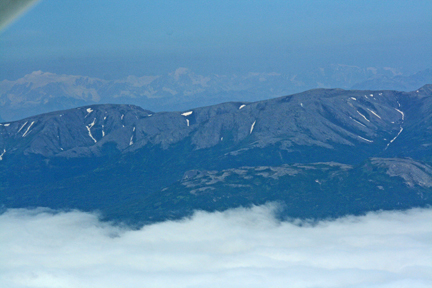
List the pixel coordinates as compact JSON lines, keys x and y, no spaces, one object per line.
{"x":236,"y":248}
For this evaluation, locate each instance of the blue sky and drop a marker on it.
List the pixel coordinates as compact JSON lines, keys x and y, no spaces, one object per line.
{"x":149,"y":37}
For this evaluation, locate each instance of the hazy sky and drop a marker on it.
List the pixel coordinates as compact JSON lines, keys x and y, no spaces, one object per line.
{"x":236,"y":248}
{"x":148,"y":37}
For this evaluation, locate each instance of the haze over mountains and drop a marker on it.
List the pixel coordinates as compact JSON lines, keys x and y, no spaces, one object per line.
{"x":41,"y":92}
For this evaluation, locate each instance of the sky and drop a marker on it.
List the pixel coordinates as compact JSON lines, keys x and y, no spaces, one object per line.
{"x":235,"y":248}
{"x":119,"y":38}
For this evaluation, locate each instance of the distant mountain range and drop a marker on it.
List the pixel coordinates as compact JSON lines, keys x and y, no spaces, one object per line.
{"x":400,"y":83}
{"x":321,"y":153}
{"x":42,"y":92}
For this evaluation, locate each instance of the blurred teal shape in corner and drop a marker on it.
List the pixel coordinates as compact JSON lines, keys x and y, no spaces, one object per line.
{"x":12,"y":9}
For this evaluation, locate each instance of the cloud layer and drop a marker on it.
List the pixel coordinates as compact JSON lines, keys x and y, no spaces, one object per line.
{"x":236,"y":248}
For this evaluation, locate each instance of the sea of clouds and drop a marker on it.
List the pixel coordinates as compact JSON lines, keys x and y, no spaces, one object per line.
{"x":235,"y":248}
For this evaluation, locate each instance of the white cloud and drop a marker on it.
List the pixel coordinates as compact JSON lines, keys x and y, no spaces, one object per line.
{"x":236,"y":248}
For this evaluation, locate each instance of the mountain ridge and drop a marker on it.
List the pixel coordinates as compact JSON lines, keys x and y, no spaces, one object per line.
{"x":344,"y":151}
{"x":320,"y":102}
